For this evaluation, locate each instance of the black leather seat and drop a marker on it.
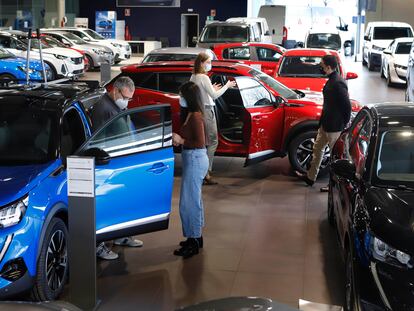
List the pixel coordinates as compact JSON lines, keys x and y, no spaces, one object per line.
{"x":230,"y":122}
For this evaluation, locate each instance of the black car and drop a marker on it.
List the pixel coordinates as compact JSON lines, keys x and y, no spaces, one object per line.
{"x":371,"y":203}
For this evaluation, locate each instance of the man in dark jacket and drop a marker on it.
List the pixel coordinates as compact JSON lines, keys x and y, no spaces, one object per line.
{"x":335,"y":116}
{"x":108,"y":107}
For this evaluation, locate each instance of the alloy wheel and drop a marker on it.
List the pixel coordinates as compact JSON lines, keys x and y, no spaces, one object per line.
{"x":56,"y":260}
{"x":304,"y":154}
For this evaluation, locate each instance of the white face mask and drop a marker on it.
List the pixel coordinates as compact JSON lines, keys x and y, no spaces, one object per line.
{"x":122,"y":103}
{"x":183,"y":102}
{"x":207,"y":67}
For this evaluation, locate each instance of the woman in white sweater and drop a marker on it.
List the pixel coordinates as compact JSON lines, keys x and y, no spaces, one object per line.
{"x":209,"y":93}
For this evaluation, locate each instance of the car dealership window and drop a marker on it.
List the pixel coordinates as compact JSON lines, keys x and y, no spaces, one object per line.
{"x":133,"y":132}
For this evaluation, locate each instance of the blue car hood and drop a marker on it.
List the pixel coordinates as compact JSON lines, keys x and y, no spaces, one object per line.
{"x":19,"y":61}
{"x":17,"y":181}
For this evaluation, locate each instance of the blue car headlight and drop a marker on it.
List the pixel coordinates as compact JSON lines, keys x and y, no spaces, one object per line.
{"x":385,"y":253}
{"x":12,"y":214}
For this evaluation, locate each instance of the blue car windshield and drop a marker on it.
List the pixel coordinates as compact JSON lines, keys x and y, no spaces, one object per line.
{"x":5,"y":54}
{"x":395,"y":165}
{"x":27,"y":135}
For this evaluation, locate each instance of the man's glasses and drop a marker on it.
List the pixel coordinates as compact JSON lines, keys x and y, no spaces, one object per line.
{"x":123,"y":96}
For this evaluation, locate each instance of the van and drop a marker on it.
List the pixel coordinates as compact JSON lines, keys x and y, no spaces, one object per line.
{"x":324,"y":39}
{"x":227,"y":32}
{"x":378,"y":36}
{"x":261,"y":23}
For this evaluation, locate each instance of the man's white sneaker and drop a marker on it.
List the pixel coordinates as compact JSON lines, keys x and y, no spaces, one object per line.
{"x":128,"y":241}
{"x":103,"y":252}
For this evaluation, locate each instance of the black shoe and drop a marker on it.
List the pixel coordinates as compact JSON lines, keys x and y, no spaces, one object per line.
{"x":305,"y":178}
{"x":188,"y":250}
{"x":324,"y":189}
{"x":199,"y":240}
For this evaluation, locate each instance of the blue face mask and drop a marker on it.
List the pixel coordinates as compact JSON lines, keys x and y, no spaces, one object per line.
{"x":183,"y":102}
{"x":207,"y":67}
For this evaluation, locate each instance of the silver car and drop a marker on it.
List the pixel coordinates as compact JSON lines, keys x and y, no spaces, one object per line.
{"x":96,"y":54}
{"x":176,"y":54}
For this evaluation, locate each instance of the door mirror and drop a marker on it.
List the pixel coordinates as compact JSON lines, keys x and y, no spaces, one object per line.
{"x":263,"y":102}
{"x":367,"y":38}
{"x":100,"y":155}
{"x":267,"y":33}
{"x":388,"y":52}
{"x":86,"y":39}
{"x":300,"y":44}
{"x":195,"y":40}
{"x":351,"y":75}
{"x":344,"y":168}
{"x":279,"y":101}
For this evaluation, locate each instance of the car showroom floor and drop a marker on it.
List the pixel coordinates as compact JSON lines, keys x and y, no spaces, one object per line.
{"x":266,"y":235}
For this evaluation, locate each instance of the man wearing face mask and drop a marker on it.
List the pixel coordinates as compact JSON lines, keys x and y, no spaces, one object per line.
{"x":209,"y":92}
{"x":109,"y":106}
{"x":335,"y":116}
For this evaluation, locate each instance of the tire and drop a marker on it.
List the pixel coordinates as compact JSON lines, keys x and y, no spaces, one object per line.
{"x":90,"y":60}
{"x":389,"y":82}
{"x":48,"y":286}
{"x":300,"y":153}
{"x":406,"y":94}
{"x":6,"y":76}
{"x":350,"y":299}
{"x":53,"y":72}
{"x":364,"y":62}
{"x":369,"y":64}
{"x":382,"y":72}
{"x":331,"y":214}
{"x":347,"y":48}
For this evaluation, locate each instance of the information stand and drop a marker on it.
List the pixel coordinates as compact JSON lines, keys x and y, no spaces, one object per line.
{"x":82,"y":232}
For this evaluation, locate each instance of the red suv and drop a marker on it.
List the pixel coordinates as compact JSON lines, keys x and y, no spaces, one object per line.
{"x":259,"y":119}
{"x":262,"y":56}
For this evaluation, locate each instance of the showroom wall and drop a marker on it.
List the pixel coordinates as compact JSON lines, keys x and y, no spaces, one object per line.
{"x":393,"y":10}
{"x":163,"y":22}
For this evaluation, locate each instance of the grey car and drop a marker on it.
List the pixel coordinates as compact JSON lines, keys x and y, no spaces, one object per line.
{"x":96,"y":54}
{"x":176,"y":54}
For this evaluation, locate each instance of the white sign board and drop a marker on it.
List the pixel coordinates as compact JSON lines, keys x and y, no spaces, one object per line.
{"x":81,"y":176}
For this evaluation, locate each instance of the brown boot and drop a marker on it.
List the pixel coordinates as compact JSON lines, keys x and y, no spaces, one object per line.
{"x":208,"y":180}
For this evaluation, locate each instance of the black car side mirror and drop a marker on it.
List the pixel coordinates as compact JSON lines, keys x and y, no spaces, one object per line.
{"x":366,"y":38}
{"x":279,"y":101}
{"x":387,"y":52}
{"x":344,"y":168}
{"x":100,"y":155}
{"x":263,"y":102}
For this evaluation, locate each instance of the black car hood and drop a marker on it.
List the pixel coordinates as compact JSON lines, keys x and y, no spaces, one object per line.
{"x":392,"y":216}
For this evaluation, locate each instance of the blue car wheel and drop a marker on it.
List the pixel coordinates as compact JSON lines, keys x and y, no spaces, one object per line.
{"x":7,"y":76}
{"x":52,"y":266}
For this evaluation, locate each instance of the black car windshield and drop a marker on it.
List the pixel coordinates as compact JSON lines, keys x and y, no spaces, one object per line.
{"x":225,"y":33}
{"x":395,"y":165}
{"x":168,"y":57}
{"x":93,"y":34}
{"x":5,"y":54}
{"x":403,"y":48}
{"x":277,"y":86}
{"x":301,"y":66}
{"x":390,"y":33}
{"x":324,"y":41}
{"x":27,"y":135}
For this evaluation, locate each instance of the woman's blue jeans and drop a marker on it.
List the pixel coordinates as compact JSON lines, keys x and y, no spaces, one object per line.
{"x":195,"y":167}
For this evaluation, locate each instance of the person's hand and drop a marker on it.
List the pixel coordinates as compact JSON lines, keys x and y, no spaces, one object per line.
{"x":217,"y":86}
{"x":231,"y":83}
{"x":177,"y":139}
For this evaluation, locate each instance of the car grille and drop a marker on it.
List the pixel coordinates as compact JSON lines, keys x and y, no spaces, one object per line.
{"x":76,"y":60}
{"x":76,"y":72}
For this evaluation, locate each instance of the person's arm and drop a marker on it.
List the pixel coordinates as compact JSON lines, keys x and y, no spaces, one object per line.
{"x":208,"y":87}
{"x":343,"y":99}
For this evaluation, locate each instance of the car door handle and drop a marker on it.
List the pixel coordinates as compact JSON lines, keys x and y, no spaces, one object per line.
{"x":158,"y":168}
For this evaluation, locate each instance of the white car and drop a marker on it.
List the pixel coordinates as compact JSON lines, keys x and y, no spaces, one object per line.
{"x":395,"y":60}
{"x":120,"y":48}
{"x":324,"y":39}
{"x":63,"y":62}
{"x":378,"y":36}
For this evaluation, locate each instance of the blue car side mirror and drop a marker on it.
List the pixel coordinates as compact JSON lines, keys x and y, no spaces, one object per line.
{"x":100,"y":155}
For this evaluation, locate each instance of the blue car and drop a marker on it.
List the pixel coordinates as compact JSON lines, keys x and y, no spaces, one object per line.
{"x":106,"y":24}
{"x":14,"y":68}
{"x":39,"y":128}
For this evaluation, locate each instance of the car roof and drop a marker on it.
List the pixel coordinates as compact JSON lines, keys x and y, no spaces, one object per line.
{"x":245,"y":19}
{"x":52,"y":97}
{"x":310,"y":52}
{"x":260,"y":44}
{"x":385,"y":112}
{"x":388,"y":24}
{"x":227,"y":23}
{"x":323,"y":30}
{"x":179,"y":50}
{"x":184,"y":65}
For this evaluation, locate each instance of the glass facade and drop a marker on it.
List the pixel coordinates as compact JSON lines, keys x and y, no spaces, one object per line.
{"x":23,"y":14}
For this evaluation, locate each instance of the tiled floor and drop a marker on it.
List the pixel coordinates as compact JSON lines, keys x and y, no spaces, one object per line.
{"x":266,"y":235}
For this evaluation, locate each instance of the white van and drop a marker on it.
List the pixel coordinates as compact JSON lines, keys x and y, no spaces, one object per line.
{"x":378,"y":36}
{"x":261,"y":23}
